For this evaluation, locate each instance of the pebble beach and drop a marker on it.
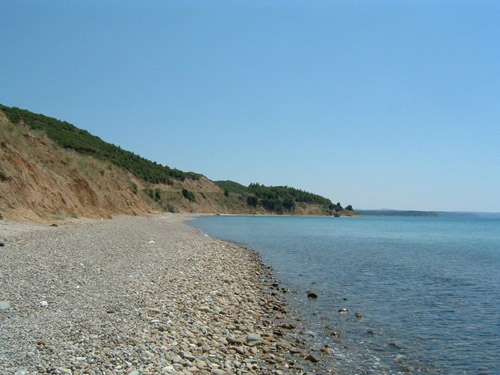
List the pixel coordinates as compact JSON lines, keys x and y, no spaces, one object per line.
{"x":140,"y":295}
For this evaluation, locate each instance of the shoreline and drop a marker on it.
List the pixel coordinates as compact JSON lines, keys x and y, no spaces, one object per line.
{"x":140,"y":295}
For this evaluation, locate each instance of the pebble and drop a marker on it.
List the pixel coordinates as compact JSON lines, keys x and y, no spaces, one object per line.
{"x":254,"y":337}
{"x":312,"y":295}
{"x":191,"y":304}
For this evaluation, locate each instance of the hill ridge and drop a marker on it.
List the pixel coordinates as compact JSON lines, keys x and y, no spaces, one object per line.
{"x":66,"y":171}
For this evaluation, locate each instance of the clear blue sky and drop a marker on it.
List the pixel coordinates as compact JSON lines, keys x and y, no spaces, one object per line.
{"x":380,"y":104}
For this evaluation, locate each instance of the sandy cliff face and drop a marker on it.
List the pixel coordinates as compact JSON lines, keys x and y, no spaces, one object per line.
{"x":40,"y":181}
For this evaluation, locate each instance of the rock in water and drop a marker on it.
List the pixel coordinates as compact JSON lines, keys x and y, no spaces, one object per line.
{"x":310,"y":358}
{"x":312,"y":295}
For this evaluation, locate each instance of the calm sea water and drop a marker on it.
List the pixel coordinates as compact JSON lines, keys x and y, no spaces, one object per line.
{"x":428,"y":288}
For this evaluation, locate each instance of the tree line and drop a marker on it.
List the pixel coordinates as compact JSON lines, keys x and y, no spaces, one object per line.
{"x":70,"y":137}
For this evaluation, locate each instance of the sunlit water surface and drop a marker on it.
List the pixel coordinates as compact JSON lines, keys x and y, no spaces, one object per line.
{"x":428,"y":288}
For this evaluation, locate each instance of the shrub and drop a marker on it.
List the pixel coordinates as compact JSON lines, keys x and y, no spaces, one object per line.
{"x":226,"y":193}
{"x":134,"y":187}
{"x":289,"y":203}
{"x":158,"y":195}
{"x":151,"y":193}
{"x":252,"y":201}
{"x":268,"y":204}
{"x":189,"y":195}
{"x":349,"y":208}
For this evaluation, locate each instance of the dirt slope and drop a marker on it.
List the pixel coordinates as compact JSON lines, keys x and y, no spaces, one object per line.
{"x":40,"y":182}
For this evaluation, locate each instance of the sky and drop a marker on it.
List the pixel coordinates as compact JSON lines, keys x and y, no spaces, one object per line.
{"x":378,"y":104}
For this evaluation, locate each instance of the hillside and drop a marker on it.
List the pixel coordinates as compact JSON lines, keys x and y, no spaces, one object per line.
{"x":51,"y":170}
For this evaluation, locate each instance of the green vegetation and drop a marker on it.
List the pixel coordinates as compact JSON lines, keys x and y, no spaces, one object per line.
{"x":74,"y":216}
{"x":158,"y":195}
{"x":154,"y":194}
{"x":252,"y":201}
{"x":189,"y":195}
{"x":280,"y":199}
{"x":71,"y":137}
{"x":134,"y":187}
{"x":232,"y":187}
{"x":75,"y":141}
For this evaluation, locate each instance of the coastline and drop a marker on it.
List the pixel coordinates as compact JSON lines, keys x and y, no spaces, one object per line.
{"x":140,"y":295}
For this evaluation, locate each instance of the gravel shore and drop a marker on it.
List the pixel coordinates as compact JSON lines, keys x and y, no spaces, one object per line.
{"x":139,"y":295}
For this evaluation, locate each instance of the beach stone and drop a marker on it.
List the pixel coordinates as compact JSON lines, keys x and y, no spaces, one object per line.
{"x":175,"y":310}
{"x":254,"y":337}
{"x":188,"y":356}
{"x":311,"y":358}
{"x":4,"y":305}
{"x":232,"y":340}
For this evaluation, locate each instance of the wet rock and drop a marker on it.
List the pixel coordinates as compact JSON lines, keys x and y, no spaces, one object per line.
{"x":311,"y":358}
{"x":358,"y":315}
{"x":312,"y":295}
{"x":343,"y":310}
{"x":4,"y":305}
{"x":325,"y":350}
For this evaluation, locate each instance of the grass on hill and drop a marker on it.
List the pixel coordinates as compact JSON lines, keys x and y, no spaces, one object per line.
{"x":70,"y":137}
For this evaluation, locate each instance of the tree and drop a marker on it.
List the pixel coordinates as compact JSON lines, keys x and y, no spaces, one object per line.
{"x":252,"y":201}
{"x":289,"y":203}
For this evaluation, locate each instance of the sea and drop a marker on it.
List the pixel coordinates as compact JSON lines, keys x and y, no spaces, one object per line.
{"x":427,"y":288}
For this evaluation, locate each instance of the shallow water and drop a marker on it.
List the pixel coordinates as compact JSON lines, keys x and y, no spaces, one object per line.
{"x":428,"y":288}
